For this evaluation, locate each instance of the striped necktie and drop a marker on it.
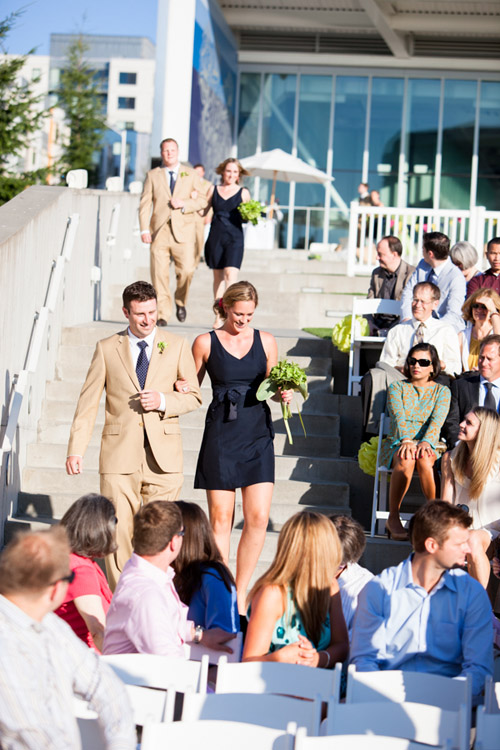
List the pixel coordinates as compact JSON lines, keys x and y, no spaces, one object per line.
{"x":142,"y":365}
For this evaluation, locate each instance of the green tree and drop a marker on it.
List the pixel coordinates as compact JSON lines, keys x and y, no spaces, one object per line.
{"x":20,"y":118}
{"x":78,"y":96}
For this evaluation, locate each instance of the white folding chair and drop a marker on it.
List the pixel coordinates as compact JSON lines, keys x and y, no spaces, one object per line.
{"x":352,"y":742}
{"x":275,"y":711}
{"x":487,"y":730}
{"x":366,"y":307}
{"x":491,"y":696}
{"x":195,"y":651}
{"x":418,"y":722}
{"x":281,"y":679}
{"x":161,"y":672}
{"x":399,"y":686}
{"x":215,"y":735}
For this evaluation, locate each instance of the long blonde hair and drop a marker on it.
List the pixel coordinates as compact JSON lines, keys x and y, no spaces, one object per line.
{"x":484,"y":454}
{"x":307,"y":560}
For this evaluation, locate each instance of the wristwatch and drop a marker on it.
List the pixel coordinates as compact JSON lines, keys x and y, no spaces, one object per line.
{"x":198,"y":634}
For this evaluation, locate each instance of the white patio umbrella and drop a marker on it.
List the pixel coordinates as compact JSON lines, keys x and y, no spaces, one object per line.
{"x":278,"y":165}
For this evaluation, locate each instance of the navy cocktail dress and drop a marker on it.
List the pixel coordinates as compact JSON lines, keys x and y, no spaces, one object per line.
{"x":224,"y":245}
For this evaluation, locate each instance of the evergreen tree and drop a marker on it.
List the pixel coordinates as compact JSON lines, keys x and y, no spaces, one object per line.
{"x":78,"y":96}
{"x":20,"y":118}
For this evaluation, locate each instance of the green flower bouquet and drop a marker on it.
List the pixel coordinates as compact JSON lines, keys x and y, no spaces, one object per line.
{"x":251,"y":211}
{"x":285,"y":376}
{"x":341,"y":334}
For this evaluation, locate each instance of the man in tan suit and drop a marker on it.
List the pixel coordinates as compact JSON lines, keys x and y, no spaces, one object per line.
{"x":167,"y":220}
{"x":141,"y":447}
{"x":201,"y":218}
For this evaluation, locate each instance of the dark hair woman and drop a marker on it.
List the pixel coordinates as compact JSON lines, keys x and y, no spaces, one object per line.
{"x":202,"y":580}
{"x":90,"y":524}
{"x":417,"y":407}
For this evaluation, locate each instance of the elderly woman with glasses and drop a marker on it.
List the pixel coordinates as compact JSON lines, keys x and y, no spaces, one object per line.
{"x":481,"y":312}
{"x":90,"y":524}
{"x":417,"y":407}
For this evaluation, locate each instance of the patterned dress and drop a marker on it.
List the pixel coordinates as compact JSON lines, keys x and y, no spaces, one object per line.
{"x":289,"y":626}
{"x":417,"y":413}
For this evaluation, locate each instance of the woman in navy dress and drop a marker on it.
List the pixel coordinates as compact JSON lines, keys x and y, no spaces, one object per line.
{"x":224,"y":246}
{"x":237,"y":448}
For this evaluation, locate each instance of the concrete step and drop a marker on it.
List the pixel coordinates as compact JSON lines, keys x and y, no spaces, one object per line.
{"x":318,"y":283}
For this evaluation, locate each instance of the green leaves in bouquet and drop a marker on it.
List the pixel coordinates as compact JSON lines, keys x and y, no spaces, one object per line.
{"x":251,"y":211}
{"x":285,"y":376}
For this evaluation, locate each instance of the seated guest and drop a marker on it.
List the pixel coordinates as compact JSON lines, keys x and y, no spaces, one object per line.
{"x":43,"y":664}
{"x":425,"y":614}
{"x":481,"y":312}
{"x":202,"y":580}
{"x":146,"y":615}
{"x":417,"y":408}
{"x":490,"y":279}
{"x":90,"y":524}
{"x":388,"y":279}
{"x":471,"y":477}
{"x":351,"y":576}
{"x":296,"y":613}
{"x":436,"y":266}
{"x":422,"y":327}
{"x":481,"y":389}
{"x":464,"y":256}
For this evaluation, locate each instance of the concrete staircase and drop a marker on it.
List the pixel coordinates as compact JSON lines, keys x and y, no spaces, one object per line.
{"x":311,"y":473}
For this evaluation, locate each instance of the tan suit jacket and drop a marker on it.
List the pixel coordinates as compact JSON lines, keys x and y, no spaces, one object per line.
{"x":122,"y":441}
{"x":156,"y":197}
{"x":403,"y":275}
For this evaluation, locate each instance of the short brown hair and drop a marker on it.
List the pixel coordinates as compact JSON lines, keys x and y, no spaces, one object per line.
{"x":34,"y":560}
{"x":434,"y":520}
{"x":434,"y":289}
{"x":168,"y":140}
{"x":142,"y":291}
{"x":155,"y":525}
{"x":394,"y":243}
{"x":437,"y":243}
{"x":241,"y":291}
{"x":90,"y":524}
{"x":352,"y":538}
{"x":483,"y":292}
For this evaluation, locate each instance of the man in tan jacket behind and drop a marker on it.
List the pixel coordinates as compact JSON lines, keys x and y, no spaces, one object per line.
{"x":167,"y":219}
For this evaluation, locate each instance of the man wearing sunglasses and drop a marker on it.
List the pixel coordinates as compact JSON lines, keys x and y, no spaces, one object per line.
{"x":481,"y":389}
{"x":43,"y":664}
{"x":490,"y":279}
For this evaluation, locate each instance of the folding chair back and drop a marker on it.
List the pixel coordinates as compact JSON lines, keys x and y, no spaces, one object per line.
{"x":282,"y":679}
{"x":275,"y":711}
{"x":487,"y":730}
{"x":214,"y":735}
{"x":352,"y":742}
{"x":491,"y":696}
{"x":196,"y":651}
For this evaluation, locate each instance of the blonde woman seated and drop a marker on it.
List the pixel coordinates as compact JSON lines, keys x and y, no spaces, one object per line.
{"x":296,"y":612}
{"x":471,"y":477}
{"x":481,"y":312}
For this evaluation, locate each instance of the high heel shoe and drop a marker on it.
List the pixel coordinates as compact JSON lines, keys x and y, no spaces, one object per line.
{"x":397,"y":536}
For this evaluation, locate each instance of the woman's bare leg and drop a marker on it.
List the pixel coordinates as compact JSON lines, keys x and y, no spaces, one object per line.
{"x":219,"y":283}
{"x":402,"y":472}
{"x":425,"y":468}
{"x":256,"y":506}
{"x":221,"y":513}
{"x":230,"y":276}
{"x":478,"y":563}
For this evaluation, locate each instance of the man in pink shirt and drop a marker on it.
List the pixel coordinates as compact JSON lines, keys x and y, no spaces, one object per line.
{"x":146,"y":615}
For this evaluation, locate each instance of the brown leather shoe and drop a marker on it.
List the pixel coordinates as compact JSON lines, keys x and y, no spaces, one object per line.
{"x":162,"y":323}
{"x":181,"y":313}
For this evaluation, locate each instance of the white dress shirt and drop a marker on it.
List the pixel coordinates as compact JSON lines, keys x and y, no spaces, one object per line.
{"x":401,"y":338}
{"x":135,"y":350}
{"x":351,"y":582}
{"x":495,"y":390}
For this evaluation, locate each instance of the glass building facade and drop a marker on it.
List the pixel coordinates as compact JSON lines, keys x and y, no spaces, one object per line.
{"x":421,"y":139}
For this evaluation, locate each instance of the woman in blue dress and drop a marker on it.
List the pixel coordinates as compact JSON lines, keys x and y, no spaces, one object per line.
{"x":418,"y":407}
{"x":224,"y":245}
{"x":296,"y":611}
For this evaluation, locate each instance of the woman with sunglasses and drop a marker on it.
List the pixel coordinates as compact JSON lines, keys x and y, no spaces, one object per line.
{"x":417,"y":407}
{"x":471,"y":478}
{"x":90,"y":524}
{"x":481,"y":312}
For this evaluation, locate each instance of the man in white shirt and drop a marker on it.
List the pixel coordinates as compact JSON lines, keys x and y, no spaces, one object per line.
{"x":43,"y":664}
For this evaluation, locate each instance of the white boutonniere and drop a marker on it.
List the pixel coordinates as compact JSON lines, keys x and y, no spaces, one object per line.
{"x":184,"y":174}
{"x":161,"y":346}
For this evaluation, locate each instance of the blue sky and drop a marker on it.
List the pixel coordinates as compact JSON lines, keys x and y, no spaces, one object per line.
{"x":43,"y":17}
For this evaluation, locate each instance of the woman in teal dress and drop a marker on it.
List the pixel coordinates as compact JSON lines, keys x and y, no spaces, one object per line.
{"x":418,"y":407}
{"x":296,"y":613}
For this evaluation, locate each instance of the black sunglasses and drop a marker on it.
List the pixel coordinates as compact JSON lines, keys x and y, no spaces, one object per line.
{"x":69,"y":578}
{"x":422,"y":362}
{"x":479,"y":306}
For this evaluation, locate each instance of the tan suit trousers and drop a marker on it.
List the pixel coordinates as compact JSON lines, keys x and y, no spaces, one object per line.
{"x":128,"y":492}
{"x":199,"y":222}
{"x":163,"y":248}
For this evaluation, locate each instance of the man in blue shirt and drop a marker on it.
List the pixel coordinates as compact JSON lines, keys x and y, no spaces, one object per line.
{"x":426,"y":614}
{"x":438,"y":268}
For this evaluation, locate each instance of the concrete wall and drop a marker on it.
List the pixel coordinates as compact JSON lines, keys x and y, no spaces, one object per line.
{"x":32,"y":230}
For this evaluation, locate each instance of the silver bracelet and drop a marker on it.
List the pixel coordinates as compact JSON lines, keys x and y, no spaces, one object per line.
{"x":327,"y":659}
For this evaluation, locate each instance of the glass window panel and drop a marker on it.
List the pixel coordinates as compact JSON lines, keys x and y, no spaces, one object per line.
{"x":421,"y":140}
{"x":488,"y":186}
{"x":315,"y":97}
{"x":385,"y":137}
{"x":458,"y":137}
{"x":349,"y":134}
{"x":248,"y":123}
{"x":307,"y":227}
{"x":278,"y":111}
